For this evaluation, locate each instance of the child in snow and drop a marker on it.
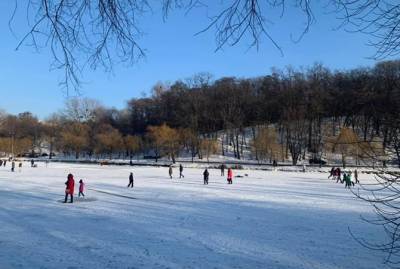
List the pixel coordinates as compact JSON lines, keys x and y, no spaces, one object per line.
{"x":170,"y":171}
{"x":81,"y":188}
{"x":130,"y":180}
{"x":12,"y":166}
{"x":230,"y":175}
{"x":69,"y":189}
{"x":205,"y":174}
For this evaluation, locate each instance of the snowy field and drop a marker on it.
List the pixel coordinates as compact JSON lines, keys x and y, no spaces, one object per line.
{"x":264,"y":220}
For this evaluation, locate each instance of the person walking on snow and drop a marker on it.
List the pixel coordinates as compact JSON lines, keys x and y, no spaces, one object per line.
{"x":356,"y":176}
{"x":338,"y":175}
{"x":170,"y":171}
{"x":69,"y":189}
{"x":12,"y":166}
{"x":332,"y":173}
{"x":206,"y":174}
{"x":222,"y":170}
{"x":81,"y":188}
{"x":130,"y":180}
{"x":181,"y":171}
{"x":350,"y":180}
{"x":230,"y":175}
{"x":347,"y":180}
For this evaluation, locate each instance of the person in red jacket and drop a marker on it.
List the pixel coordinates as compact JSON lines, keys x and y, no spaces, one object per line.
{"x":230,"y":175}
{"x":81,"y":188}
{"x":69,"y":189}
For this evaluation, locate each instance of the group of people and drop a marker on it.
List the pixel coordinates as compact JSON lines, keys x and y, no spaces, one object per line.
{"x":70,"y":183}
{"x":170,"y":171}
{"x":229,"y":178}
{"x":4,"y":162}
{"x":336,"y":173}
{"x":70,"y":188}
{"x":206,"y":174}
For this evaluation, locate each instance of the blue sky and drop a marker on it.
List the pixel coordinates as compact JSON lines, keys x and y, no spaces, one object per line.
{"x":173,"y":52}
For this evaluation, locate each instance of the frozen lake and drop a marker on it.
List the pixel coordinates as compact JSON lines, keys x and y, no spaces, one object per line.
{"x":263,"y":220}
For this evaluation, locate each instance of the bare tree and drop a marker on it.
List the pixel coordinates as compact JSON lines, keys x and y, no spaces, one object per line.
{"x":97,"y":33}
{"x":80,"y":109}
{"x":383,"y":196}
{"x":378,"y":18}
{"x":100,"y":32}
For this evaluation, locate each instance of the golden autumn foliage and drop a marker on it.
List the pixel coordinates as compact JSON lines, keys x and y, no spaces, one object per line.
{"x":348,"y":144}
{"x":109,"y":140}
{"x":132,"y":144}
{"x":165,"y":140}
{"x":208,"y":146}
{"x":265,"y":145}
{"x":75,"y":137}
{"x":20,"y":145}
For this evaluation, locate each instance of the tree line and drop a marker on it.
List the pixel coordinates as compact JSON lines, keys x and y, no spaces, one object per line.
{"x":290,"y":114}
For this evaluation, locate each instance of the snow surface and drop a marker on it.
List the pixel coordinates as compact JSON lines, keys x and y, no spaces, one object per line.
{"x":264,"y":220}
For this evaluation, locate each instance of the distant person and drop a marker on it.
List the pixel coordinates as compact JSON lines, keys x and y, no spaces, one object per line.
{"x":130,"y":180}
{"x":332,"y":173}
{"x":275,"y":165}
{"x":32,"y":162}
{"x":19,"y":166}
{"x":12,"y":166}
{"x":1,"y":162}
{"x":205,"y":175}
{"x":81,"y":188}
{"x":4,"y":164}
{"x":181,"y":171}
{"x":347,"y":180}
{"x":222,"y":170}
{"x":304,"y":168}
{"x":338,"y":175}
{"x":351,"y":180}
{"x":230,"y":175}
{"x":170,"y":171}
{"x":356,"y":176}
{"x":344,"y":179}
{"x":69,"y":189}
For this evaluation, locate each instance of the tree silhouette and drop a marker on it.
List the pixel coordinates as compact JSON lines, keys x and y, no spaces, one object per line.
{"x":100,"y":33}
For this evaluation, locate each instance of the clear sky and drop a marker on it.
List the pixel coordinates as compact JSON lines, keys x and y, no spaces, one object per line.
{"x":173,"y":52}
